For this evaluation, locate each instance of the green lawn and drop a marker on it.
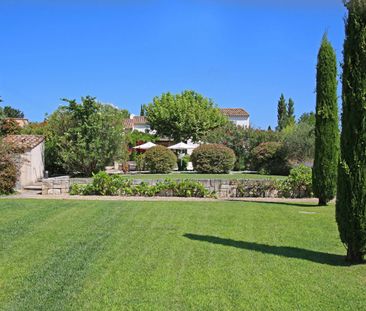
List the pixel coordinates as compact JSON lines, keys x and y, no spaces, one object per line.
{"x":203,"y":176}
{"x":110,"y":255}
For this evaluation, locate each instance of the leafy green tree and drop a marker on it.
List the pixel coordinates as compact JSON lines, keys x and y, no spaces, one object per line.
{"x":11,"y":112}
{"x":298,"y":142}
{"x":290,"y":121}
{"x":326,"y":126}
{"x":351,"y":192}
{"x":86,"y":136}
{"x":281,"y":113}
{"x":307,"y":117}
{"x":184,"y":116}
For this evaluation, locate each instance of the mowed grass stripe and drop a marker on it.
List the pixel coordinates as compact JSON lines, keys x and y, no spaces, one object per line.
{"x":32,"y":251}
{"x":57,"y":279}
{"x":185,"y":256}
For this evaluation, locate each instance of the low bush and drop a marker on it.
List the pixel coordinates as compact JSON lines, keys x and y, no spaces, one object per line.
{"x":270,"y":158}
{"x":118,"y":185}
{"x":256,"y":188}
{"x":213,"y":158}
{"x":8,"y":171}
{"x":298,"y":184}
{"x":160,"y":159}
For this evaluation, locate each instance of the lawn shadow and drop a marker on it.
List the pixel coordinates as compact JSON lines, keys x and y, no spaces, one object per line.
{"x":280,"y":203}
{"x":284,"y":251}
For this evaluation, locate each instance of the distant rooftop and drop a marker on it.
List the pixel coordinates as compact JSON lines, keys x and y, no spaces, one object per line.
{"x":234,"y":112}
{"x":23,"y":142}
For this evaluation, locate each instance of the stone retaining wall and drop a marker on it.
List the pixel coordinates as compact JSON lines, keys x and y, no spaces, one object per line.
{"x":224,"y":188}
{"x":56,"y":186}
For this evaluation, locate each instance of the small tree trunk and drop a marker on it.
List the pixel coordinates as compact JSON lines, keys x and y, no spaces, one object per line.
{"x":354,"y":256}
{"x":322,"y":202}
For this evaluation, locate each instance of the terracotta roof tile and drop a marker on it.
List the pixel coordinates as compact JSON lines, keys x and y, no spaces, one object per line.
{"x":129,"y":123}
{"x":234,"y":112}
{"x":23,"y":142}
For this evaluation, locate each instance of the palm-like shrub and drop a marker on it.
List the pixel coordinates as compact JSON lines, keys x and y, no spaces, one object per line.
{"x":160,"y":159}
{"x":213,"y":158}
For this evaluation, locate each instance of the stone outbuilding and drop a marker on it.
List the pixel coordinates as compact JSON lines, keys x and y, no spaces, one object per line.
{"x":29,"y":157}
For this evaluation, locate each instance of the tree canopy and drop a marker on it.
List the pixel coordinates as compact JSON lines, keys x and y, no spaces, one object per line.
{"x":184,"y":116}
{"x":85,"y":137}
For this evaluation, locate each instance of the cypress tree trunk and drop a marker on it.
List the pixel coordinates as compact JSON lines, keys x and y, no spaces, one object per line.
{"x":351,"y":195}
{"x":326,"y":125}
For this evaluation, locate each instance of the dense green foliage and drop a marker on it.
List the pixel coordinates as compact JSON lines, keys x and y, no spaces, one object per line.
{"x":84,"y":137}
{"x":241,"y":141}
{"x":8,"y":170}
{"x":125,"y":255}
{"x":298,"y":142}
{"x":326,"y":128}
{"x":213,"y":158}
{"x":351,"y":192}
{"x":118,"y":185}
{"x":298,"y":184}
{"x":160,"y":159}
{"x":290,"y":113}
{"x":184,"y":116}
{"x":9,"y":127}
{"x":281,"y":113}
{"x":269,"y":158}
{"x":10,"y":112}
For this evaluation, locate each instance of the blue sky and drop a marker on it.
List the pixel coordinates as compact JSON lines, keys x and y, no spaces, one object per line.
{"x":239,"y":53}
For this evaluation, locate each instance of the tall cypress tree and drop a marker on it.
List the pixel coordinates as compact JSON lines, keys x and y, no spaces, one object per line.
{"x":281,"y":113}
{"x":290,"y":112}
{"x":326,"y":125}
{"x":351,"y":194}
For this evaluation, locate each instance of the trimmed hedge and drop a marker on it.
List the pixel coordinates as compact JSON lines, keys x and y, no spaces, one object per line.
{"x":213,"y":158}
{"x":8,"y":171}
{"x":160,"y":159}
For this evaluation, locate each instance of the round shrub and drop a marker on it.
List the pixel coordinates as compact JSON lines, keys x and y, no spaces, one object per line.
{"x":160,"y":159}
{"x":213,"y":158}
{"x":270,"y":158}
{"x":8,"y":171}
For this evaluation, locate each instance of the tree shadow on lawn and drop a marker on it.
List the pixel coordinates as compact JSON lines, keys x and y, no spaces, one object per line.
{"x":284,"y":251}
{"x":296,"y":203}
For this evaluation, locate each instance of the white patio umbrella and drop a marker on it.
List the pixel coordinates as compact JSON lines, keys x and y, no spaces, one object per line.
{"x":182,"y":146}
{"x":145,"y":146}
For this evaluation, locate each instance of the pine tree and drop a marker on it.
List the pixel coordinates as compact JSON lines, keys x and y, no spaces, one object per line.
{"x":281,"y":113}
{"x":326,"y":125}
{"x":351,"y":192}
{"x":290,"y":113}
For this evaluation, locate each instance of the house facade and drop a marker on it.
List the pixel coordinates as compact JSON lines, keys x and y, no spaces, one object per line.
{"x":138,"y":123}
{"x":28,"y":156}
{"x":238,"y":116}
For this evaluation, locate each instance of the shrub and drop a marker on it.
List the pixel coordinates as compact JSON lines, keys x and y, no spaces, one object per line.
{"x":256,"y":188}
{"x":213,"y":158}
{"x":298,"y":184}
{"x":8,"y":171}
{"x":140,"y":162}
{"x":160,"y":159}
{"x":270,"y":157}
{"x":104,"y":184}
